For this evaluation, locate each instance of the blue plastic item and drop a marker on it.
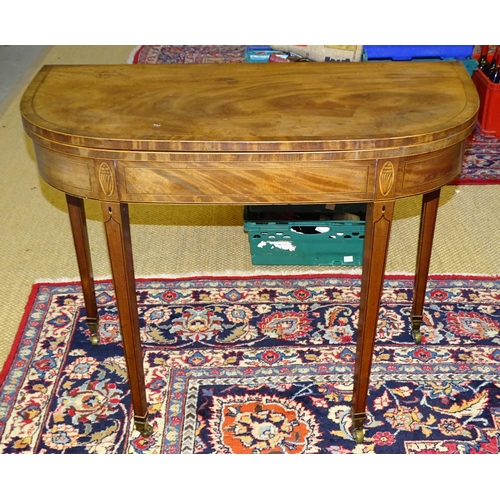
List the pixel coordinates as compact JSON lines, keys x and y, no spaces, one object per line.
{"x":408,"y":52}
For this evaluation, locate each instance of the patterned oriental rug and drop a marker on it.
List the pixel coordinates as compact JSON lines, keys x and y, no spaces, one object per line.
{"x":482,"y":156}
{"x":257,"y":365}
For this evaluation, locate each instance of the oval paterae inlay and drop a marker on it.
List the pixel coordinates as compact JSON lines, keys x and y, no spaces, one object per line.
{"x":106,"y":179}
{"x":386,"y":178}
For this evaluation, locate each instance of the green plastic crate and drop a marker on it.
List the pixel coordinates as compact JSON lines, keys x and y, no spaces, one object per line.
{"x":303,"y":242}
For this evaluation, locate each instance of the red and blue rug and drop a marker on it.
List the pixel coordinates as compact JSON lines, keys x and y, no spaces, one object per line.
{"x":482,"y":155}
{"x":185,"y":54}
{"x":257,"y":365}
{"x":481,"y":161}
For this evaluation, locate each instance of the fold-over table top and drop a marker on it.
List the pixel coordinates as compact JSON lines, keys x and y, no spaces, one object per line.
{"x":251,"y":107}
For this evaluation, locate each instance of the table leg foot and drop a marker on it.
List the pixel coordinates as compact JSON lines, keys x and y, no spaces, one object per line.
{"x":93,"y":326}
{"x":358,"y":432}
{"x":430,"y":204}
{"x":359,"y":435}
{"x":416,"y":323}
{"x":378,"y":225}
{"x":117,"y":228}
{"x":143,"y":426}
{"x":78,"y":221}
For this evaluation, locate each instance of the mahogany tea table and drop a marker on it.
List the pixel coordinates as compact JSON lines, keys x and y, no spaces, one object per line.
{"x":250,"y":134}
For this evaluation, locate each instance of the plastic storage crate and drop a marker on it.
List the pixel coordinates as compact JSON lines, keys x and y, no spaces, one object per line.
{"x":408,"y":52}
{"x":305,"y":242}
{"x":258,"y":53}
{"x":488,"y":118}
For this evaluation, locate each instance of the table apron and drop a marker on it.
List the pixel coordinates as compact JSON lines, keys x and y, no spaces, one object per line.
{"x":249,"y":182}
{"x":245,"y":182}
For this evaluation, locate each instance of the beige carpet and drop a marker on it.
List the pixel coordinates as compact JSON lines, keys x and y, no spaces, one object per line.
{"x":36,"y":244}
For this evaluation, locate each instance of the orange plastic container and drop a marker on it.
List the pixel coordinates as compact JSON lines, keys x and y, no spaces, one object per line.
{"x":488,"y":119}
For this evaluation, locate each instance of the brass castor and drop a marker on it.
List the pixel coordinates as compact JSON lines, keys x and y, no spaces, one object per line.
{"x":94,"y":332}
{"x":417,"y":336}
{"x":144,"y":428}
{"x":416,"y":323}
{"x":359,"y":435}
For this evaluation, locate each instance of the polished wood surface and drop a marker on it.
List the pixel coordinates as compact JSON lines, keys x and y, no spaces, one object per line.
{"x":76,"y":211}
{"x":117,"y":227}
{"x":251,"y":134}
{"x":430,"y":205}
{"x":163,"y":144}
{"x":249,"y":107}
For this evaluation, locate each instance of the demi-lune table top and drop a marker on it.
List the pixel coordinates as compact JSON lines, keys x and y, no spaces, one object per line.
{"x":405,"y":107}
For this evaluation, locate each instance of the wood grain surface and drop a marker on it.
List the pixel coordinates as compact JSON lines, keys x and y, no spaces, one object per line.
{"x":247,"y":134}
{"x":251,"y":107}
